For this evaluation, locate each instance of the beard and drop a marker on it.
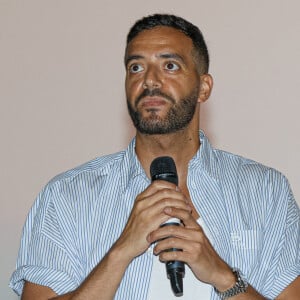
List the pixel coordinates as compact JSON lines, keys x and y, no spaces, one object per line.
{"x":178,"y":117}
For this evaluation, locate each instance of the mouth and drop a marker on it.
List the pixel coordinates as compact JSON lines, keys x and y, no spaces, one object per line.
{"x":153,"y":98}
{"x":148,"y":102}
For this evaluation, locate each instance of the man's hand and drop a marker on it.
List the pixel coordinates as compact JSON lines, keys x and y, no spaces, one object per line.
{"x":148,"y":213}
{"x":197,"y":251}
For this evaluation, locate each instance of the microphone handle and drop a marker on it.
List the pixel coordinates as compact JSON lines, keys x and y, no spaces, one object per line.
{"x":175,"y":269}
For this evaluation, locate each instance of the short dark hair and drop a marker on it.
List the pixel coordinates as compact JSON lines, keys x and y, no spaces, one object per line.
{"x":190,"y":30}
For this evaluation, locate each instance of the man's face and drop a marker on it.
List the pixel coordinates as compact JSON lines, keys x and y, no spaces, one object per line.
{"x":162,"y":83}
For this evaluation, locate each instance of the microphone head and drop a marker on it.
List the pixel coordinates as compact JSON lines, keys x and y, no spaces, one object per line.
{"x":164,"y":168}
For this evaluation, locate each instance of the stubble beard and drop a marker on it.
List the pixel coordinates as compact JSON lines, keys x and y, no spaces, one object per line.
{"x":177,"y":118}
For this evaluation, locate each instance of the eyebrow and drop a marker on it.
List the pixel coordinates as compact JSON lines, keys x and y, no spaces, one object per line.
{"x":132,"y":57}
{"x":172,"y":55}
{"x":163,"y":55}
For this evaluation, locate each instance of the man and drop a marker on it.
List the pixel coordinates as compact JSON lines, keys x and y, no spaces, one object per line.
{"x":92,"y":232}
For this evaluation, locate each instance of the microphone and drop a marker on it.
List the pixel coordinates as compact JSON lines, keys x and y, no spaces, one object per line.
{"x":164,"y":168}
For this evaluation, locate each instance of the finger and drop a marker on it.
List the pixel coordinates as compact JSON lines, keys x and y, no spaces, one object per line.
{"x":156,"y":186}
{"x":162,"y":199}
{"x":149,"y":217}
{"x":163,"y":235}
{"x":170,"y":242}
{"x":156,"y":216}
{"x":184,"y":215}
{"x":189,"y":252}
{"x":172,"y":250}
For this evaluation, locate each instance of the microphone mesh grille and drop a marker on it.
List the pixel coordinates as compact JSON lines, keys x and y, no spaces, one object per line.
{"x":161,"y":165}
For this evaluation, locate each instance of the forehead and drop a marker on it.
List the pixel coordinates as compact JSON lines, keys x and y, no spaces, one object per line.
{"x":160,"y":38}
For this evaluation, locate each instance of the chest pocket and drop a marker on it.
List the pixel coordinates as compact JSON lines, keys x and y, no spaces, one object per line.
{"x":246,"y":249}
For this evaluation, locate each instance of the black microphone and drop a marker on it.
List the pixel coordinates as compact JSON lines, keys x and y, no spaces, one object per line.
{"x":164,"y":168}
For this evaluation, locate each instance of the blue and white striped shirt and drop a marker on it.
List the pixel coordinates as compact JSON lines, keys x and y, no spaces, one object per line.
{"x":249,"y":210}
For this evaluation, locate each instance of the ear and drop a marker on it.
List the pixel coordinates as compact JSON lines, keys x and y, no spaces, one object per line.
{"x":206,"y":85}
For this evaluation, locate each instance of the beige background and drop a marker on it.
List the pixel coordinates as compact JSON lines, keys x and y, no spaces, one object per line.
{"x":62,"y":96}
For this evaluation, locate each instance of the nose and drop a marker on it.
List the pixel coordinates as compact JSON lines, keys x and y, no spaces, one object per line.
{"x":152,"y":79}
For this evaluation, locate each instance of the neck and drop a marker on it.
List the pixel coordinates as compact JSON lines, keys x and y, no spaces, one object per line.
{"x":181,"y":146}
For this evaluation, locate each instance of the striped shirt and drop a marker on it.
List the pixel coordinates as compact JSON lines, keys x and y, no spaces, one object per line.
{"x":248,"y":208}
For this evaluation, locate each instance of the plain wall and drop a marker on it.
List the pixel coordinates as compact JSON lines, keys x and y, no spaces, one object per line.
{"x":63,"y":101}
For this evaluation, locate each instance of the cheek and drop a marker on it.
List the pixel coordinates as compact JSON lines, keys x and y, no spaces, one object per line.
{"x":133,"y":88}
{"x":177,"y":89}
{"x":185,"y":87}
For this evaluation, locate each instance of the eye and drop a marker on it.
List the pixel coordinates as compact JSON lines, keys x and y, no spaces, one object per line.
{"x":171,"y":66}
{"x":135,"y":68}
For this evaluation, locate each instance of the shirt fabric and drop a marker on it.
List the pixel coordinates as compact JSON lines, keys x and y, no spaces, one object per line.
{"x":248,"y":208}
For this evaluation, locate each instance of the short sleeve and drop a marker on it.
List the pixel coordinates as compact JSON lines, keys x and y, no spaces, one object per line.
{"x":288,"y":266}
{"x":47,"y":254}
{"x":279,"y":262}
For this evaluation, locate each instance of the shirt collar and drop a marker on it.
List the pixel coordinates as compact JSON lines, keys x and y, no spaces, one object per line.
{"x":131,"y":166}
{"x":203,"y":161}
